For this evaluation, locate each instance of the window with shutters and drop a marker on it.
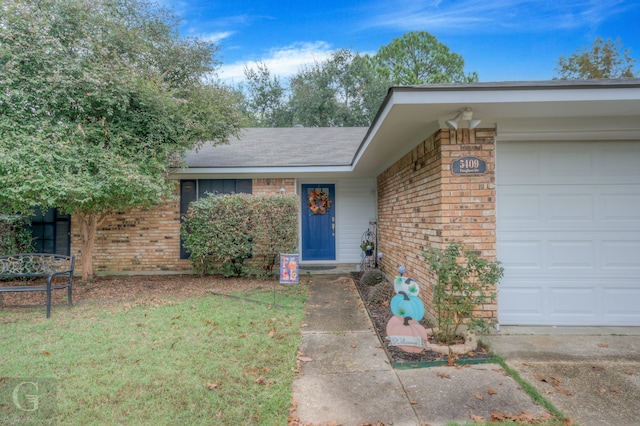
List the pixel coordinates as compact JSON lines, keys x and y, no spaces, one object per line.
{"x":192,"y":190}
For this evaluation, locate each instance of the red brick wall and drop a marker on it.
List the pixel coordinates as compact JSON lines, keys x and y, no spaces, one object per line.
{"x":149,"y":240}
{"x":272,"y":186}
{"x":422,"y":204}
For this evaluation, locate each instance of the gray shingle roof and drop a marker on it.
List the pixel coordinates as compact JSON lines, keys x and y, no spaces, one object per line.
{"x":282,"y":147}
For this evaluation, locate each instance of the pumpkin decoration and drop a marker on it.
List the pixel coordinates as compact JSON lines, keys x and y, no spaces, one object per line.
{"x":406,"y":333}
{"x":408,"y":285}
{"x":404,"y":305}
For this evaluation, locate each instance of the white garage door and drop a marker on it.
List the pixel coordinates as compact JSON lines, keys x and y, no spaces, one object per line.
{"x":568,"y":221}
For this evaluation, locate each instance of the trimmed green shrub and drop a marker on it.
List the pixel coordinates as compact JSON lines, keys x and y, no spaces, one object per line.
{"x":15,"y":235}
{"x":235,"y":235}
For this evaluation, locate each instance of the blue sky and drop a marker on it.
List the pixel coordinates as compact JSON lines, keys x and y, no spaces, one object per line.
{"x":502,"y":40}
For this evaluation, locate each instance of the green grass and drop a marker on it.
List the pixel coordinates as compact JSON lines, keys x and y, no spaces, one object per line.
{"x":206,"y":360}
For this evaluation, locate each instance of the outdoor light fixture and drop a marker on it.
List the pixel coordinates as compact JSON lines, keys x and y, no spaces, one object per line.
{"x":465,"y":114}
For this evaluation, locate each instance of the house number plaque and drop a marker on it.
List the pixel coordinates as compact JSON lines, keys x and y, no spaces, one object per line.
{"x":468,"y":166}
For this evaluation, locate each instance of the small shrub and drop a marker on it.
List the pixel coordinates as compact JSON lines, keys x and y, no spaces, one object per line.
{"x":464,"y":281}
{"x":371,"y":278}
{"x":381,"y":293}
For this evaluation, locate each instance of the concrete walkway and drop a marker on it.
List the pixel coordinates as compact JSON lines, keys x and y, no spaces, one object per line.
{"x":346,"y":378}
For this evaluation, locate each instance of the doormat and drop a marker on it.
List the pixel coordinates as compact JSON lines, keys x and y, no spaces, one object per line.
{"x":316,"y":268}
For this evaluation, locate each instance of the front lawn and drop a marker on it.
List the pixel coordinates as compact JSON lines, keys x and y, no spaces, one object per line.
{"x":209,"y":359}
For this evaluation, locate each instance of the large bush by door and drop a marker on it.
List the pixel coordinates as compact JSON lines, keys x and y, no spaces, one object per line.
{"x":223,"y":232}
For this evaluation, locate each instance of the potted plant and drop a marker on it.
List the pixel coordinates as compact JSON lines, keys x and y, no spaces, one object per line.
{"x":367,"y":246}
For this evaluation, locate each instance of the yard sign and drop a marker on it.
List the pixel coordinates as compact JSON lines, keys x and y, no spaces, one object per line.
{"x":289,"y":268}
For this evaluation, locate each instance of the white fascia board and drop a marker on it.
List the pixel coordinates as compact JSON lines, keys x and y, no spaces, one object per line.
{"x":507,"y":95}
{"x":260,"y":171}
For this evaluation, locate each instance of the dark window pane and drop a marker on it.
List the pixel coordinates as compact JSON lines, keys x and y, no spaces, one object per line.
{"x":63,"y":245}
{"x":48,"y":246}
{"x":244,"y":186}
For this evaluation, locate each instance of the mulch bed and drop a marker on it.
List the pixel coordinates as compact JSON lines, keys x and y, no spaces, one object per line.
{"x":380,"y":315}
{"x":131,"y":289}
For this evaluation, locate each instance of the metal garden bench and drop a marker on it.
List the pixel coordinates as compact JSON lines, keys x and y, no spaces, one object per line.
{"x":15,"y":266}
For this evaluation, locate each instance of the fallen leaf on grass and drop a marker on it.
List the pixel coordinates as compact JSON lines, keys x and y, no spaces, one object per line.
{"x":476,"y":419}
{"x":212,"y":386}
{"x":45,"y":353}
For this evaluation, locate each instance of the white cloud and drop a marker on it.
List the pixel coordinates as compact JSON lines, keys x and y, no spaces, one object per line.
{"x":283,"y":62}
{"x":216,"y":37}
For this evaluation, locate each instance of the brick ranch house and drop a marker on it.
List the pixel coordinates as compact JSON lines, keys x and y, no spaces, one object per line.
{"x":548,"y":182}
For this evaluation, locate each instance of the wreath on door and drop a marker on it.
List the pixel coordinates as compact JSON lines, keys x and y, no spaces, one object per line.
{"x":319,"y":202}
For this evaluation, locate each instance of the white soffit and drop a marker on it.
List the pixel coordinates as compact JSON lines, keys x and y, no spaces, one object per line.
{"x":560,"y":109}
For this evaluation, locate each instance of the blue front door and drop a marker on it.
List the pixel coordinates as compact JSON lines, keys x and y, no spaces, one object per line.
{"x":318,"y":222}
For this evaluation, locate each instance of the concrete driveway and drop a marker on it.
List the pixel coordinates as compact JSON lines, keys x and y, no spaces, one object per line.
{"x":591,"y":374}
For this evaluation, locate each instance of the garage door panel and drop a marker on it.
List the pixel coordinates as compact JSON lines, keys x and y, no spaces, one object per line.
{"x":566,"y":162}
{"x":621,"y":301}
{"x":618,"y":255}
{"x":571,"y":254}
{"x":572,"y":299}
{"x":521,"y":207}
{"x":525,"y":300}
{"x":568,"y":231}
{"x":569,"y":302}
{"x":568,"y":206}
{"x":621,"y":207}
{"x":520,"y":254}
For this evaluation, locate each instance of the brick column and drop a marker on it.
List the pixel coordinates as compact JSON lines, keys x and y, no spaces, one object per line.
{"x":422,"y":204}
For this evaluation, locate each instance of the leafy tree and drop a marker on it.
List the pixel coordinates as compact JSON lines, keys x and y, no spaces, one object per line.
{"x":266,"y":101}
{"x":605,"y":59}
{"x":418,"y":58}
{"x":343,"y":91}
{"x":99,"y":99}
